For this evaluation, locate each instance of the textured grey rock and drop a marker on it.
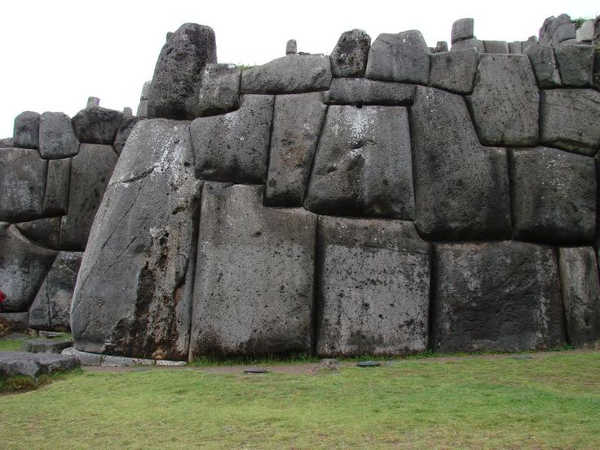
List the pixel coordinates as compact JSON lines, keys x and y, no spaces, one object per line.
{"x":554,"y":196}
{"x":92,"y":102}
{"x":84,"y":358}
{"x":440,"y":47}
{"x":298,"y":119}
{"x":290,"y":74}
{"x":15,"y":322}
{"x":57,"y":137}
{"x":23,"y":267}
{"x":454,"y":71}
{"x":596,"y":73}
{"x":47,"y":345}
{"x":462,"y":29}
{"x":468,"y":44}
{"x":500,"y":296}
{"x":127,"y":124}
{"x":556,"y":30}
{"x":505,"y":101}
{"x":90,"y":171}
{"x":52,"y":305}
{"x":34,"y":364}
{"x":544,"y":65}
{"x":399,"y":57}
{"x":132,"y":292}
{"x":570,"y":118}
{"x":373,"y":291}
{"x":173,"y":91}
{"x":291,"y":47}
{"x":361,"y":91}
{"x":349,"y":57}
{"x":26,"y":132}
{"x":142,"y":111}
{"x":500,"y":47}
{"x":254,"y":281}
{"x":461,"y":188}
{"x":585,"y":32}
{"x":576,"y":64}
{"x":515,"y":48}
{"x":44,"y":232}
{"x":363,"y":165}
{"x":56,"y":195}
{"x":22,"y":180}
{"x":6,"y":143}
{"x":220,"y":89}
{"x":234,"y":147}
{"x":581,"y":294}
{"x":97,"y":125}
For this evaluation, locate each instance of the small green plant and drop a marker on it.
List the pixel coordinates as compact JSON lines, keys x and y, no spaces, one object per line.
{"x":579,"y":21}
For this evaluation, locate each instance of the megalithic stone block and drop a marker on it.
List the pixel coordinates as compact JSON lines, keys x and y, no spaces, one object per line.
{"x":56,"y":194}
{"x":463,"y":29}
{"x":576,"y":65}
{"x":133,"y":290}
{"x":254,"y":282}
{"x":97,"y":125}
{"x":44,"y":232}
{"x":349,"y":57}
{"x":499,"y":296}
{"x":544,"y":65}
{"x":454,"y":71}
{"x":373,"y":287}
{"x":27,"y":130}
{"x":220,"y":89}
{"x":57,"y":137}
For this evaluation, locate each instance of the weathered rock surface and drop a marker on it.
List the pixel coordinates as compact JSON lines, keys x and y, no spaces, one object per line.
{"x":361,"y":91}
{"x":57,"y":137}
{"x":554,"y":196}
{"x":291,"y":47}
{"x":585,"y":32}
{"x":298,"y":119}
{"x":22,"y":181}
{"x":462,"y":29}
{"x":500,"y":47}
{"x":26,"y":132}
{"x":174,"y":88}
{"x":499,"y":296}
{"x":127,"y":124}
{"x":254,"y":281}
{"x":454,"y":71}
{"x":34,"y":364}
{"x":399,"y":57}
{"x":235,"y":146}
{"x":132,"y":293}
{"x":97,"y":125}
{"x":23,"y":267}
{"x":461,"y":188}
{"x":220,"y":89}
{"x":44,"y":232}
{"x":52,"y":305}
{"x":7,"y":143}
{"x":576,"y":64}
{"x":47,"y":345}
{"x":363,"y":165}
{"x":291,"y":74}
{"x":505,"y":101}
{"x":56,"y":195}
{"x":570,"y":118}
{"x":349,"y":57}
{"x":90,"y":171}
{"x":14,"y":322}
{"x":373,"y":291}
{"x":468,"y":44}
{"x":556,"y":30}
{"x":581,"y":294}
{"x":544,"y":65}
{"x":515,"y":48}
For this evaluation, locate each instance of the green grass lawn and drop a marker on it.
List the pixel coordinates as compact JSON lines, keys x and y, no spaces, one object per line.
{"x":551,"y":401}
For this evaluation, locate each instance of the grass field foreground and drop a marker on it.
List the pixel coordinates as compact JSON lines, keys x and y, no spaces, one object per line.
{"x":549,"y":401}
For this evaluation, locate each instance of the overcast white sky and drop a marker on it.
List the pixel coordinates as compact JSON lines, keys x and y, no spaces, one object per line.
{"x":57,"y":53}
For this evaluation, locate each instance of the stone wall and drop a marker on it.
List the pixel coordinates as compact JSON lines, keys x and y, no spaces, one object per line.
{"x":387,"y":199}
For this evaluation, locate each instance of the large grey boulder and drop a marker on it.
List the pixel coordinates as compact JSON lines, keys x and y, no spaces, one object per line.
{"x":500,"y":47}
{"x":554,"y":196}
{"x":254,"y":281}
{"x":581,"y":294}
{"x":291,"y":74}
{"x":361,"y":91}
{"x":498,"y":296}
{"x":26,"y":132}
{"x":220,"y":89}
{"x":23,"y":267}
{"x":90,"y":171}
{"x":462,"y":29}
{"x":34,"y":364}
{"x":235,"y":146}
{"x":505,"y":101}
{"x":556,"y":30}
{"x":57,"y":137}
{"x":373,"y":291}
{"x":97,"y":125}
{"x":44,"y":232}
{"x":349,"y":57}
{"x":52,"y":305}
{"x":298,"y":119}
{"x":22,"y":181}
{"x":454,"y":71}
{"x":576,"y":64}
{"x":544,"y":65}
{"x":570,"y":118}
{"x":173,"y":91}
{"x":132,"y":292}
{"x":399,"y":57}
{"x":468,"y":44}
{"x":363,"y":165}
{"x":56,"y":194}
{"x":461,"y":187}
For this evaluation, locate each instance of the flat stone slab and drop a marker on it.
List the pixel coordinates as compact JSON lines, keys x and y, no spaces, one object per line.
{"x":34,"y":364}
{"x":100,"y":360}
{"x":47,"y":345}
{"x":361,"y":91}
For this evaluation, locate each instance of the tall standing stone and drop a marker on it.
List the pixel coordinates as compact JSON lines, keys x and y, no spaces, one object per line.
{"x":463,"y":29}
{"x":174,"y":87}
{"x":57,"y":137}
{"x":291,"y":47}
{"x":349,"y":57}
{"x":26,"y":130}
